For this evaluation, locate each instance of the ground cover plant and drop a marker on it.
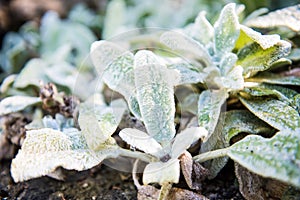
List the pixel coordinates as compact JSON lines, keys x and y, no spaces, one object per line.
{"x":201,"y":95}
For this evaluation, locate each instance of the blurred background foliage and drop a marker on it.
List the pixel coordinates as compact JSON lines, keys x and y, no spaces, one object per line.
{"x":33,"y":39}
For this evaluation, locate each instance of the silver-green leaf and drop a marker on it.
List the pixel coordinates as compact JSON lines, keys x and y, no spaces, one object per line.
{"x":277,"y":157}
{"x":17,"y":103}
{"x":155,"y":95}
{"x":227,"y":30}
{"x":276,"y":113}
{"x":209,"y":109}
{"x":287,"y":17}
{"x":46,"y":149}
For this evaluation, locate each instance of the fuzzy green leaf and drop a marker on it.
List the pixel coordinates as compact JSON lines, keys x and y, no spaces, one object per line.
{"x":140,"y":140}
{"x":55,"y":32}
{"x":185,"y":139}
{"x":114,"y":19}
{"x":98,"y":123}
{"x":248,"y":36}
{"x":276,"y":113}
{"x":227,"y":63}
{"x":155,"y":96}
{"x":227,"y":30}
{"x":233,"y":80}
{"x":187,"y":74}
{"x":201,"y":30}
{"x":209,"y":109}
{"x":286,"y":17}
{"x":277,"y":157}
{"x":267,"y":77}
{"x":187,"y":46}
{"x":115,"y":66}
{"x":242,"y":121}
{"x":229,"y":125}
{"x":253,"y":58}
{"x":17,"y":103}
{"x":159,"y":172}
{"x":44,"y":150}
{"x":32,"y":73}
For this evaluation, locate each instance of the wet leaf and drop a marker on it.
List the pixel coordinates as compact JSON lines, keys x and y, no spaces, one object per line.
{"x":17,"y":103}
{"x":44,"y":150}
{"x":155,"y":97}
{"x":227,"y":30}
{"x":277,"y":157}
{"x":162,"y":172}
{"x":287,"y":17}
{"x":276,"y":113}
{"x":209,"y":108}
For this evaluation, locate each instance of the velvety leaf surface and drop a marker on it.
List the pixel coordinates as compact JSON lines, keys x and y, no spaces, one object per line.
{"x":159,"y":172}
{"x":155,"y":96}
{"x":180,"y":42}
{"x":140,"y":140}
{"x":32,"y":73}
{"x":253,"y":58}
{"x":287,"y":17}
{"x":271,"y":78}
{"x":98,"y":123}
{"x":115,"y":65}
{"x":201,"y":30}
{"x":276,"y":113}
{"x":209,"y":108}
{"x":227,"y":30}
{"x":277,"y":157}
{"x":248,"y":36}
{"x":185,"y":139}
{"x":44,"y":150}
{"x":17,"y":103}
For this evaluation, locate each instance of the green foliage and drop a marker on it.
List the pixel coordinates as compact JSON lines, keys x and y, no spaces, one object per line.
{"x":221,"y":62}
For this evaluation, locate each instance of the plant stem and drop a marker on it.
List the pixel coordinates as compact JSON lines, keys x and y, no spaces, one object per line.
{"x":137,"y":155}
{"x":164,"y":191}
{"x":211,"y":155}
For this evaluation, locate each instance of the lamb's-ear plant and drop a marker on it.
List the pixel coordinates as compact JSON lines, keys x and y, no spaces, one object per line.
{"x":46,"y":149}
{"x":146,"y":80}
{"x":234,"y":56}
{"x":155,"y":95}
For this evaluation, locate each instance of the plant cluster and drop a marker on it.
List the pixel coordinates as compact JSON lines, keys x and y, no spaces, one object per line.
{"x":226,"y":63}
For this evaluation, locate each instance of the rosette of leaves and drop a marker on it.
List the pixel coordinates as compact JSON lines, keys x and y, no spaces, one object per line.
{"x":232,"y":57}
{"x":143,"y":79}
{"x":230,"y":60}
{"x":58,"y":144}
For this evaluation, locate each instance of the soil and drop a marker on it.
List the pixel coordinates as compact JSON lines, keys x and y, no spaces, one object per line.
{"x":101,"y":182}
